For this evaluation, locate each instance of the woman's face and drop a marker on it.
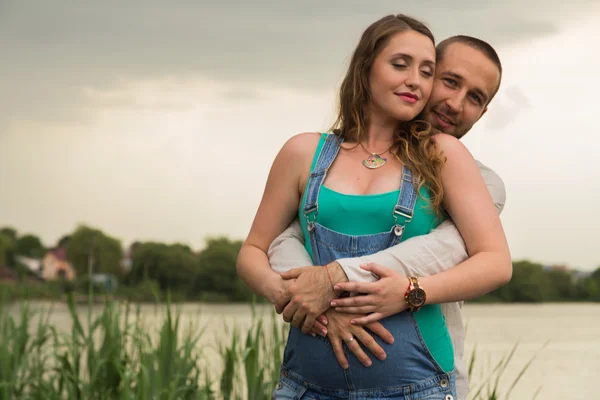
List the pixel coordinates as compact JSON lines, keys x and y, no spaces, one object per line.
{"x":401,"y":76}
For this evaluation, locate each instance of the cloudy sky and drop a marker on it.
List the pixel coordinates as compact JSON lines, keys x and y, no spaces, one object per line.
{"x":159,"y":120}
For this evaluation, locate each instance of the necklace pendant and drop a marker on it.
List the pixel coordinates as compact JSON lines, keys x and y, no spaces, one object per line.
{"x":374,"y":161}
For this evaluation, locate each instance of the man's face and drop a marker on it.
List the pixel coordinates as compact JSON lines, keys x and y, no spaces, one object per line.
{"x":465,"y":81}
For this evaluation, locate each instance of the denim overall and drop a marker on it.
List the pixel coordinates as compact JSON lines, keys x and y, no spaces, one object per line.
{"x":310,"y":369}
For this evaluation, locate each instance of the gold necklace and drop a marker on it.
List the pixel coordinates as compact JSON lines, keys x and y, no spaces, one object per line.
{"x":374,"y":160}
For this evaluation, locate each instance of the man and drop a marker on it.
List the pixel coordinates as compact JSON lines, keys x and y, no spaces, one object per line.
{"x":468,"y":75}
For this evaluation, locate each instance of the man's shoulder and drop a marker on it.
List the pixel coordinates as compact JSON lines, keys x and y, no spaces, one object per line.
{"x":494,"y":183}
{"x":486,"y":171}
{"x":483,"y":167}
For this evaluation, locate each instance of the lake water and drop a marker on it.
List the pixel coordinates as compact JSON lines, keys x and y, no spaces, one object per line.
{"x":567,"y":337}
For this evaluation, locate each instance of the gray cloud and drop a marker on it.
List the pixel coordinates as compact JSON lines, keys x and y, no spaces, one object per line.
{"x":52,"y":49}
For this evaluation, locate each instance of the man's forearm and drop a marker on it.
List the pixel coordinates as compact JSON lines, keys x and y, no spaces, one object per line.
{"x":425,"y":255}
{"x":287,"y":250}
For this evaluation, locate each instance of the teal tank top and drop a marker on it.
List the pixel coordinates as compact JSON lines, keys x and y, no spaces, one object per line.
{"x":351,"y":212}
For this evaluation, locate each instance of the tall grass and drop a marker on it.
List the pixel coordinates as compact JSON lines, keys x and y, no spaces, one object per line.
{"x":490,"y":388}
{"x":111,"y":354}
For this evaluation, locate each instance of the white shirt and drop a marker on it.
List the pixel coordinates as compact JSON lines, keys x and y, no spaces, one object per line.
{"x":426,"y":255}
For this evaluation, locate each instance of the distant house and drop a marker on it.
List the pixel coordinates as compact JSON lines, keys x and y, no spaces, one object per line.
{"x":33,"y":264}
{"x":557,"y":267}
{"x":55,"y":266}
{"x":126,"y":263}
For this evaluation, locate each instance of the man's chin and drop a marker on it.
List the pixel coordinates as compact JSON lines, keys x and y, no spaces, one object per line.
{"x":439,"y":129}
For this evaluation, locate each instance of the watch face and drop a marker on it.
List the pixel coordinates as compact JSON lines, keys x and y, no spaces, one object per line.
{"x":416,"y":297}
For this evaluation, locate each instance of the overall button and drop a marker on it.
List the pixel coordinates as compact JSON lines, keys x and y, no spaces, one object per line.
{"x":449,"y":397}
{"x":444,"y":383}
{"x":279,"y":386}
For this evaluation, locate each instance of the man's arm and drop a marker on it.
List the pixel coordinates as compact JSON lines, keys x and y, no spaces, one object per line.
{"x":440,"y":250}
{"x":287,"y":250}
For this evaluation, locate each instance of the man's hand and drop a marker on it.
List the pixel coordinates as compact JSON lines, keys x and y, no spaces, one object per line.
{"x":310,"y":294}
{"x":282,"y":297}
{"x":341,"y":330}
{"x":381,"y":299}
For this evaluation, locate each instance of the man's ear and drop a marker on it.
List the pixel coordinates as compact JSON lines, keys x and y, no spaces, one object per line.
{"x":483,"y":113}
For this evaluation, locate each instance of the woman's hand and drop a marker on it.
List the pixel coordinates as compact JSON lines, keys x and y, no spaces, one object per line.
{"x":339,"y":329}
{"x":378,"y":299}
{"x":320,"y":326}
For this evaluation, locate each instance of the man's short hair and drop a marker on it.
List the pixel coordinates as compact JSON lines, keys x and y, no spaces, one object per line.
{"x":476,"y":44}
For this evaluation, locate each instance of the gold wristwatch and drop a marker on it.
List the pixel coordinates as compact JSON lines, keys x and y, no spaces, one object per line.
{"x":415,"y":296}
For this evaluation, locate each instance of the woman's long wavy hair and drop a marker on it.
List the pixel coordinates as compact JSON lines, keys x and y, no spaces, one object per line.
{"x":413,"y":144}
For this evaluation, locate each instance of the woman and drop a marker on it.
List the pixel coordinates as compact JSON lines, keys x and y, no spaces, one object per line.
{"x":345,"y":187}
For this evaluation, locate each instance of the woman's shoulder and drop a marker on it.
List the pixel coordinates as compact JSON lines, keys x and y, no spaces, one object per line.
{"x":451,"y":147}
{"x":303,"y":144}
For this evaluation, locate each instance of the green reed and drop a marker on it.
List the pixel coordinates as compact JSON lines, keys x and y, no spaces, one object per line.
{"x":111,"y":354}
{"x":490,"y":388}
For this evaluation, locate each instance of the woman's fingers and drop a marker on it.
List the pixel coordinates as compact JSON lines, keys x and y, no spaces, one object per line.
{"x":354,"y":301}
{"x":356,"y":287}
{"x":356,"y":310}
{"x":380,"y":331}
{"x":373,"y":317}
{"x":338,"y":349}
{"x":355,"y":348}
{"x":367,"y":340}
{"x":319,"y":329}
{"x":378,"y":270}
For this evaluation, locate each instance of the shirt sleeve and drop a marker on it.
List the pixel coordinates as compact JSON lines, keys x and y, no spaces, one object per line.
{"x":287,"y":250}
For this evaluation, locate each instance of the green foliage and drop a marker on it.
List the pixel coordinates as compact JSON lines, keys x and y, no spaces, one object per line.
{"x":107,"y":356}
{"x":30,"y":245}
{"x":10,"y":232}
{"x":171,"y":266}
{"x":217,"y":269}
{"x":106,"y":252}
{"x":7,"y":250}
{"x":251,"y":366}
{"x":592,"y":285}
{"x":531,"y":283}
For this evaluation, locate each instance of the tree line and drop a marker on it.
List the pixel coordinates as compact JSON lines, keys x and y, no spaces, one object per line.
{"x":149,"y":269}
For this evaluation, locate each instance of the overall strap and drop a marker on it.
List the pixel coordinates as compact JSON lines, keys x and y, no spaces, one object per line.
{"x":329,"y":151}
{"x":405,"y":207}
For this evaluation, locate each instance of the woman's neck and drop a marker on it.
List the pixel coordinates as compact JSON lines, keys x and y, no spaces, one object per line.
{"x":380,"y":133}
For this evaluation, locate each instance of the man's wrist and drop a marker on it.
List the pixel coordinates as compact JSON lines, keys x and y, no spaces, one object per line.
{"x":337,"y":273}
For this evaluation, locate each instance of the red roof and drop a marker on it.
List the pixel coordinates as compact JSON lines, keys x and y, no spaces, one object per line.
{"x":60,"y":253}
